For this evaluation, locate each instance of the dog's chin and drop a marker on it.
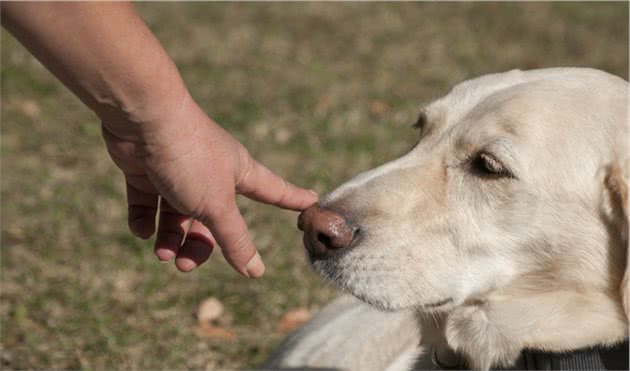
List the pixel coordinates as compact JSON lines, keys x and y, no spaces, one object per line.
{"x":382,"y":297}
{"x":387,"y":290}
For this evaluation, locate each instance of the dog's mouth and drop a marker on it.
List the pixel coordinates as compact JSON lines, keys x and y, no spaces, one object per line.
{"x":438,"y":304}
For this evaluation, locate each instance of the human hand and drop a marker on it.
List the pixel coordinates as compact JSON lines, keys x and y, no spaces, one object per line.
{"x":164,"y":143}
{"x":197,"y":168}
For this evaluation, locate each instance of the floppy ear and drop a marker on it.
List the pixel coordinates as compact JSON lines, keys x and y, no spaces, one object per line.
{"x":617,"y":184}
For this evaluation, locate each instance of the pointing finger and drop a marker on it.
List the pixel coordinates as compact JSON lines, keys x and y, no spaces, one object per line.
{"x":261,"y":184}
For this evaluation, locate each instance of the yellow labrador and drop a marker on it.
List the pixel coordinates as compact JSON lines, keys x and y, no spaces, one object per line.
{"x":504,"y":228}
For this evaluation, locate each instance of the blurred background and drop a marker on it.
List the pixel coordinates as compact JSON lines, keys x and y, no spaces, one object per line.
{"x":318,"y":92}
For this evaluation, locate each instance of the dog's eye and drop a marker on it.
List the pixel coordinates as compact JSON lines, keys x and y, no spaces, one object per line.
{"x":485,"y":164}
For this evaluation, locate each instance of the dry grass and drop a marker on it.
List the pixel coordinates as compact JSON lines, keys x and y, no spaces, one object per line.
{"x":318,"y":92}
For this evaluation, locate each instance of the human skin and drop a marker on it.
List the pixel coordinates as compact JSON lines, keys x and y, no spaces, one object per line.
{"x":155,"y":132}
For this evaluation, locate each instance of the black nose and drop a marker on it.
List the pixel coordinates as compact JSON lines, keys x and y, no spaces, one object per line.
{"x":325,"y":230}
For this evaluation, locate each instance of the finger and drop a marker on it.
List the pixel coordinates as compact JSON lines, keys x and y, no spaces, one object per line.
{"x":197,"y":248}
{"x":172,"y":228}
{"x":261,"y":184}
{"x":231,"y":232}
{"x":141,"y":209}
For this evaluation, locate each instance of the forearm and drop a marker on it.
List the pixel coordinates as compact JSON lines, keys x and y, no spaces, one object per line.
{"x":103,"y":52}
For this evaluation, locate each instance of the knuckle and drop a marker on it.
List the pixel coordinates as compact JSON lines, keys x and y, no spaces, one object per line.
{"x":201,"y":211}
{"x":208,"y":207}
{"x":211,"y":215}
{"x":245,"y":170}
{"x":216,"y":216}
{"x":283,"y":193}
{"x":241,"y":244}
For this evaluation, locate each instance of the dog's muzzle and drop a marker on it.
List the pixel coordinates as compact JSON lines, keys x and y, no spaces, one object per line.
{"x":326,"y":231}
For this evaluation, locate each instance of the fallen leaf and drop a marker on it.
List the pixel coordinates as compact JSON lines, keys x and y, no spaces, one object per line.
{"x":31,"y":109}
{"x":210,"y":331}
{"x":378,"y":107}
{"x":282,"y":135}
{"x":323,"y":105}
{"x":209,"y":310}
{"x":294,"y":319}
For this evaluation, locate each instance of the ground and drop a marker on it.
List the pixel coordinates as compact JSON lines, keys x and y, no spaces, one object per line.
{"x":318,"y":92}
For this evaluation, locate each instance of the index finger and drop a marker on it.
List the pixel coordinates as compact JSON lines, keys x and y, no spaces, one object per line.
{"x":261,"y":184}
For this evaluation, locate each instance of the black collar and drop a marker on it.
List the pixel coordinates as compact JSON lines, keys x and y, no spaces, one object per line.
{"x":594,"y":358}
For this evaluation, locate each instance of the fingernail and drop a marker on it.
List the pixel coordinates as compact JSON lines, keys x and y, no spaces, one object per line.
{"x":313,"y":192}
{"x":255,"y":267}
{"x":164,"y":254}
{"x":185,"y":264}
{"x":166,"y":246}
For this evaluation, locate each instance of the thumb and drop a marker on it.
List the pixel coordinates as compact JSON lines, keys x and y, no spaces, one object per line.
{"x":261,"y":184}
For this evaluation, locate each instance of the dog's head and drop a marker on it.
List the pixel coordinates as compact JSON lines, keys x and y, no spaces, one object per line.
{"x":516,"y":176}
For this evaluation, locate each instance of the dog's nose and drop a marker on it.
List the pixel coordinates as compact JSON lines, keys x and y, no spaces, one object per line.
{"x":325,"y":230}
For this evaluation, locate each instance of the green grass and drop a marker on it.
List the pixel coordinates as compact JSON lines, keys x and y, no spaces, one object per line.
{"x":297,"y":83}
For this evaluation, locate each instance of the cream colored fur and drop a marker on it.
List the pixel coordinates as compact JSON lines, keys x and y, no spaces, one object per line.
{"x":534,"y":259}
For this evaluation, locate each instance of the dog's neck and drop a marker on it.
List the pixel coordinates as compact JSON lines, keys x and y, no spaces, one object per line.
{"x":493,"y":331}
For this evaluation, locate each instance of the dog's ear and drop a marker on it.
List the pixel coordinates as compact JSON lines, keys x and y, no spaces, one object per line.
{"x":617,"y":182}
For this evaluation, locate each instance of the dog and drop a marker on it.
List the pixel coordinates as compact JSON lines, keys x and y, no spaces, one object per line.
{"x":505,"y":228}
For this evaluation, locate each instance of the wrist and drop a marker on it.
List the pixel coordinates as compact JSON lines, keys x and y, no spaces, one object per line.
{"x":146,"y":100}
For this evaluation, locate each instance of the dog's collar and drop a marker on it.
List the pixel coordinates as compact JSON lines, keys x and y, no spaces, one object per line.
{"x":592,"y":358}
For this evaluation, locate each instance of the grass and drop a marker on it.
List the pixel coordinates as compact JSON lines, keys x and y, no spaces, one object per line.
{"x":318,"y":92}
